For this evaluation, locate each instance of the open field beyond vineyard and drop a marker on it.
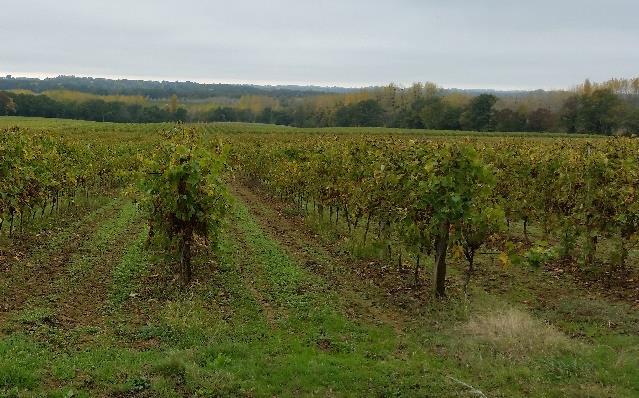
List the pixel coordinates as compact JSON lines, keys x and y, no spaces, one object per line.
{"x":320,"y":280}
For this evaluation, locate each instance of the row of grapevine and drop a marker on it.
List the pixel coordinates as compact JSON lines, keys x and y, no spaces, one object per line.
{"x":433,"y":191}
{"x":181,"y":180}
{"x":586,"y":189}
{"x":37,"y":170}
{"x":430,"y":194}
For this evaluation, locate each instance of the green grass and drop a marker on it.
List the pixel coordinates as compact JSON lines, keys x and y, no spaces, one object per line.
{"x":144,"y":131}
{"x":102,"y":241}
{"x":131,"y":267}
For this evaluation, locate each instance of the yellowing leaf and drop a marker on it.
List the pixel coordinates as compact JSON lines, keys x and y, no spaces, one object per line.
{"x":504,"y":259}
{"x":458,"y":252}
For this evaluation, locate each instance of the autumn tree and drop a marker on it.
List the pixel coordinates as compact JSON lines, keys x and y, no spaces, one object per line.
{"x":7,"y":106}
{"x":173,"y":104}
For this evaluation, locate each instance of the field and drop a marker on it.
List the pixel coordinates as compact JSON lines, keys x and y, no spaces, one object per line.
{"x":298,"y":299}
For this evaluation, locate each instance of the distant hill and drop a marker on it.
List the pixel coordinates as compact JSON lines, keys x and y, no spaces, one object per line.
{"x":160,"y":89}
{"x":188,"y":89}
{"x":477,"y":91}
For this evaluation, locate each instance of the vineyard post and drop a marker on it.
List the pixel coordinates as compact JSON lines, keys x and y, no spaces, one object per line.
{"x":387,"y":234}
{"x":469,"y":253}
{"x":441,"y":246}
{"x":419,"y":254}
{"x":623,"y":253}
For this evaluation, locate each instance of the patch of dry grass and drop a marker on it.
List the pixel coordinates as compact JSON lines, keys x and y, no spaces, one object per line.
{"x":515,"y":333}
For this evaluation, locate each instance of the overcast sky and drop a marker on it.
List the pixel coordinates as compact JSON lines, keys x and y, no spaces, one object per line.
{"x":455,"y":43}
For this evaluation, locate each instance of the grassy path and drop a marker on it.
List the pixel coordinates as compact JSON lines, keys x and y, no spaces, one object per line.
{"x":390,"y":299}
{"x":83,"y":293}
{"x":514,"y":353}
{"x":30,"y":278}
{"x":311,"y":330}
{"x":70,"y":291}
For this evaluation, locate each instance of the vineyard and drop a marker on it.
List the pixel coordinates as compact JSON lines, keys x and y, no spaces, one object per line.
{"x":198,"y":260}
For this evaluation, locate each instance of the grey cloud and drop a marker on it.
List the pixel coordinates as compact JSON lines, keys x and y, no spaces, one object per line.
{"x":491,"y":43}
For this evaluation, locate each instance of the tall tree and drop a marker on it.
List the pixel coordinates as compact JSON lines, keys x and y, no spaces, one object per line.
{"x":599,"y":112}
{"x":509,"y":120}
{"x":479,"y":112}
{"x":569,"y":114}
{"x":541,"y":119}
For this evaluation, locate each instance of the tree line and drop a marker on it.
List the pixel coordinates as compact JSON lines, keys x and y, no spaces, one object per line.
{"x":153,"y":89}
{"x":99,"y":110}
{"x":607,"y":108}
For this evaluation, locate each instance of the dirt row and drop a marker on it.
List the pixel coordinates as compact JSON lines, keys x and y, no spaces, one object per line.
{"x":369,"y":289}
{"x":42,"y":280}
{"x":34,"y":270}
